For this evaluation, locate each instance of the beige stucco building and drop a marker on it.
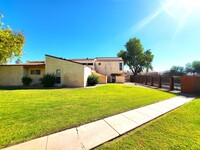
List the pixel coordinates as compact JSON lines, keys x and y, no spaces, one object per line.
{"x":111,"y":67}
{"x":11,"y":74}
{"x":69,"y":72}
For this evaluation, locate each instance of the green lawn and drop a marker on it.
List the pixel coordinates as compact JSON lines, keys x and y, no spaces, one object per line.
{"x":179,"y":130}
{"x":31,"y":113}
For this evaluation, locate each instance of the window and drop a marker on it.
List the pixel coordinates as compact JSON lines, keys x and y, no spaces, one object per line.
{"x":32,"y":71}
{"x":120,"y":66}
{"x":99,"y":63}
{"x":87,"y":63}
{"x":58,"y":72}
{"x":58,"y":78}
{"x":35,"y":72}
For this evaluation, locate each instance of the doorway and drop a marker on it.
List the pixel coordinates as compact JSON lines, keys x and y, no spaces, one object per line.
{"x":113,"y":78}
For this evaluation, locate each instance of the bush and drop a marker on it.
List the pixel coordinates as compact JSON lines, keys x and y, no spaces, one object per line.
{"x":92,"y":80}
{"x":26,"y":81}
{"x":48,"y":80}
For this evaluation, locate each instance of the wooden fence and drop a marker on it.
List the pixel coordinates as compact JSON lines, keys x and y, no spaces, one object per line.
{"x":187,"y":84}
{"x":171,"y":83}
{"x":190,"y":84}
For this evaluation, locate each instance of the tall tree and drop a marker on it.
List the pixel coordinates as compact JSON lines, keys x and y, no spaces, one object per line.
{"x":196,"y":67}
{"x":193,"y":68}
{"x":189,"y":69}
{"x":11,"y":43}
{"x":18,"y":61}
{"x":177,"y":71}
{"x":135,"y":57}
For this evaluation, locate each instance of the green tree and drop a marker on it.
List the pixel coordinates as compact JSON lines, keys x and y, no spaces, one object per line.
{"x":189,"y":69}
{"x":177,"y":71}
{"x":11,"y":43}
{"x":18,"y":61}
{"x":193,"y":68}
{"x":196,"y":67}
{"x":135,"y":57}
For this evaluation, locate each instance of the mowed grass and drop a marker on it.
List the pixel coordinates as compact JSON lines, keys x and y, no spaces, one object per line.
{"x":178,"y":130}
{"x":28,"y":114}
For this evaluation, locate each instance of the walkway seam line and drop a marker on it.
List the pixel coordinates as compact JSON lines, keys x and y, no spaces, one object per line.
{"x":47,"y":142}
{"x":130,"y":119}
{"x":146,"y":114}
{"x":111,"y":126}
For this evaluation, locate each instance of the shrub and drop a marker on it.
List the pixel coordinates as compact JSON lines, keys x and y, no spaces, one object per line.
{"x":26,"y":81}
{"x":48,"y":80}
{"x":92,"y":80}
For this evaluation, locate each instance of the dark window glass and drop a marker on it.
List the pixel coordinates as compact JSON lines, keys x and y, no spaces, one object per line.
{"x":58,"y":72}
{"x":32,"y":71}
{"x":99,"y":63}
{"x":120,"y":66}
{"x":58,"y":80}
{"x":37,"y":72}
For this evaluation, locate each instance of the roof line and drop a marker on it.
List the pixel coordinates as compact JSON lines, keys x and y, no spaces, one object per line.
{"x":82,"y":59}
{"x":25,"y":64}
{"x":93,"y":58}
{"x":108,"y":57}
{"x":64,"y":59}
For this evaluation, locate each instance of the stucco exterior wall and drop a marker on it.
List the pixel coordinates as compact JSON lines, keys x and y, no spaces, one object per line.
{"x":11,"y":75}
{"x":36,"y":78}
{"x":87,"y":72}
{"x":109,"y":67}
{"x":102,"y":78}
{"x":87,"y":62}
{"x":72,"y":74}
{"x":120,"y":79}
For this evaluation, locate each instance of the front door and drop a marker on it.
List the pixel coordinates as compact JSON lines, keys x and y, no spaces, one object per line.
{"x":113,"y":78}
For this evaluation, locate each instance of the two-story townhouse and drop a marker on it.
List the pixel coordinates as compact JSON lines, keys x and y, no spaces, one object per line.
{"x":112,"y":67}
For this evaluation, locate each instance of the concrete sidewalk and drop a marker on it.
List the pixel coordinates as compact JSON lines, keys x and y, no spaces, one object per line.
{"x":91,"y":135}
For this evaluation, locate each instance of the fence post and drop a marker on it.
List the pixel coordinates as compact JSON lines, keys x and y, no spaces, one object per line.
{"x":140,"y":79}
{"x":159,"y":82}
{"x":132,"y":79}
{"x":145,"y":80}
{"x":171,"y":83}
{"x":151,"y":82}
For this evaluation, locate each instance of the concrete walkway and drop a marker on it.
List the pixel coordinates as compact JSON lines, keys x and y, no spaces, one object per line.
{"x":91,"y":135}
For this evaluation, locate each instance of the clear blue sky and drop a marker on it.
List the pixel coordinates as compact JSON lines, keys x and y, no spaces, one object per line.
{"x":96,"y":28}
